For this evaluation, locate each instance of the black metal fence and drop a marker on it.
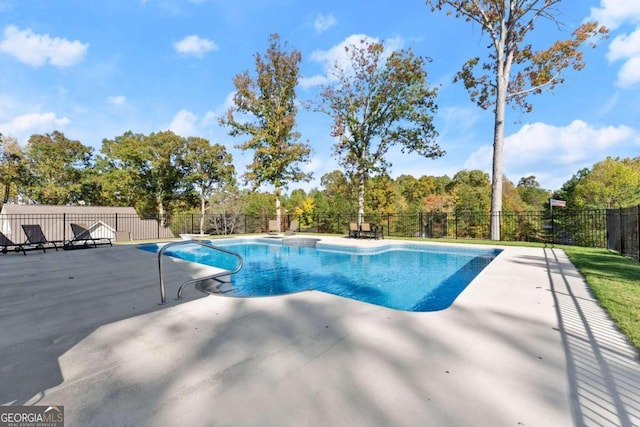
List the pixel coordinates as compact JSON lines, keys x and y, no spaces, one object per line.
{"x":623,"y":231}
{"x":572,"y":227}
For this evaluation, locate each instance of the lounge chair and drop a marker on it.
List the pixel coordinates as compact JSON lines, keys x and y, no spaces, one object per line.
{"x":366,"y":230}
{"x":293,"y":227}
{"x":371,"y":231}
{"x":273,"y":226}
{"x":82,"y":237}
{"x":354,"y":230}
{"x":36,"y":237}
{"x":6,"y":244}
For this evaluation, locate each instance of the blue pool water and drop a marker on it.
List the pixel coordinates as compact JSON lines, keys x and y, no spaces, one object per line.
{"x":401,"y":276}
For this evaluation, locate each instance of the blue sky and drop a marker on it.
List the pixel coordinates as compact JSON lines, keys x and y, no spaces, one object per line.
{"x":96,"y":69}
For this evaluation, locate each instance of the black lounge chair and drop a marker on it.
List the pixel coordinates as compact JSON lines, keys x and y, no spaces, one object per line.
{"x":36,"y":237}
{"x":354,"y":230}
{"x":371,"y":231}
{"x":82,"y":237}
{"x":6,"y":244}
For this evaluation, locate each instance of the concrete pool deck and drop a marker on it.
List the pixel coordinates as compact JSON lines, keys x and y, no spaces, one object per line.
{"x":525,"y":344}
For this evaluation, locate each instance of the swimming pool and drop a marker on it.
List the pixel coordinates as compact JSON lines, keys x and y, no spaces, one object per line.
{"x":402,"y":276}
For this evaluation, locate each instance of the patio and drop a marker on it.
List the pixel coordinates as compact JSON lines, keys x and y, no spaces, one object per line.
{"x":524,"y":344}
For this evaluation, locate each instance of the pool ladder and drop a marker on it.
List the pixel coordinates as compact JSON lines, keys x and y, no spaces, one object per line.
{"x":163,"y":298}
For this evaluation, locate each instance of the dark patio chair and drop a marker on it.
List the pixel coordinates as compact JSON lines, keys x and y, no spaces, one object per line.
{"x":354,"y":230}
{"x":366,"y":230}
{"x":82,"y":237}
{"x":36,"y":237}
{"x":6,"y":244}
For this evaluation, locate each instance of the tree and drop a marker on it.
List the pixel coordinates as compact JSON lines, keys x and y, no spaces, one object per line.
{"x":304,"y":212}
{"x":568,"y":190}
{"x":270,"y":98}
{"x":208,"y":168}
{"x":511,"y":200}
{"x":379,"y":100}
{"x":531,"y":193}
{"x":383,"y":196}
{"x":513,"y":70}
{"x":472,"y":190}
{"x":227,"y":204}
{"x":14,"y":175}
{"x":148,"y":169}
{"x":611,"y":183}
{"x":339,"y":190}
{"x":57,"y":165}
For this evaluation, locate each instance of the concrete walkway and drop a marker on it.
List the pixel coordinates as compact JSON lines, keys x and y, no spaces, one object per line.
{"x":524,"y":345}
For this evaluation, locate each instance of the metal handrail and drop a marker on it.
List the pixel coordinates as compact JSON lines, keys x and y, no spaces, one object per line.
{"x":201,"y":243}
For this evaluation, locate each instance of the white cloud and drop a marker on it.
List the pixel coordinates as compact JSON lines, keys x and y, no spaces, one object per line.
{"x":613,"y":13}
{"x":210,"y":119}
{"x":22,"y":127}
{"x":313,"y":81}
{"x":36,"y":49}
{"x":629,"y":75}
{"x":323,"y":22}
{"x":338,"y":55}
{"x":117,"y":100}
{"x":184,"y":123}
{"x":194,"y":46}
{"x":554,"y":153}
{"x":625,"y":47}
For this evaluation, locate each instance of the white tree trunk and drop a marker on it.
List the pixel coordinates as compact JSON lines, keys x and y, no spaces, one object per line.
{"x":361,"y":180}
{"x":504,"y":57}
{"x":202,"y":210}
{"x":497,"y":173}
{"x":161,"y":212}
{"x":278,"y":213}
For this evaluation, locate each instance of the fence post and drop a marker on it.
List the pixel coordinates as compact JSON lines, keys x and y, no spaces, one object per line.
{"x":64,"y":226}
{"x":638,"y":236}
{"x":389,"y":224}
{"x":117,"y":222}
{"x":456,"y":224}
{"x":620,"y":212}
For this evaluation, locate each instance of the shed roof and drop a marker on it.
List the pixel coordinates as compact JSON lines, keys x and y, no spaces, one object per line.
{"x":13,"y":209}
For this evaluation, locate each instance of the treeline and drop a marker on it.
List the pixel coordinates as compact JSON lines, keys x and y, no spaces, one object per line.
{"x":163,"y":174}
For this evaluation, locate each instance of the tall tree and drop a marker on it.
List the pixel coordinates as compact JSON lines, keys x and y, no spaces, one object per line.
{"x":269,"y":101}
{"x":14,"y":175}
{"x":513,"y":69}
{"x":471,"y":189}
{"x":340,"y":193}
{"x":535,"y":197}
{"x":209,"y":168}
{"x":376,"y":101}
{"x":152,"y":167}
{"x":57,"y":165}
{"x":611,"y":183}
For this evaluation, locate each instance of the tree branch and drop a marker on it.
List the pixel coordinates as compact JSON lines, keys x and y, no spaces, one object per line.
{"x":533,"y":89}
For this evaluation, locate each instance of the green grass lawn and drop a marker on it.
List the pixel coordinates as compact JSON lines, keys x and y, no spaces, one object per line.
{"x":615,"y":282}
